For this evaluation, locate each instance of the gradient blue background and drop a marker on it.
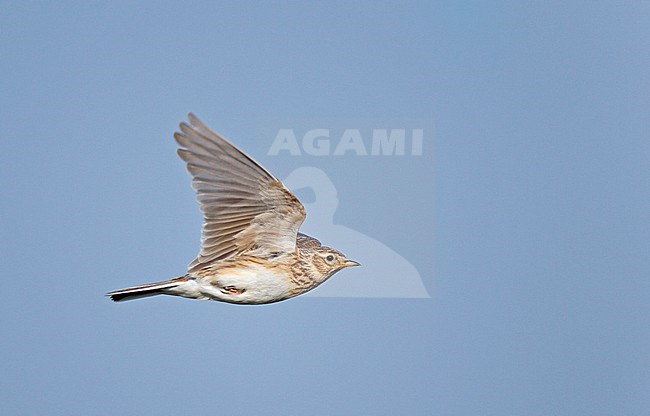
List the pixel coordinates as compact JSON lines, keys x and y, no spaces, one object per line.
{"x":535,"y":251}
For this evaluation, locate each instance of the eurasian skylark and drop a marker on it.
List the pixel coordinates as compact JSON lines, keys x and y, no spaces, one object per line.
{"x":251,"y":250}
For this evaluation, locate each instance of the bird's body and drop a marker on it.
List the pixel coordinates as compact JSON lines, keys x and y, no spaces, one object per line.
{"x":251,"y":251}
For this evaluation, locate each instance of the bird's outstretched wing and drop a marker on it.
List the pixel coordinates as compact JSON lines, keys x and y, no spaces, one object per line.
{"x":245,"y":208}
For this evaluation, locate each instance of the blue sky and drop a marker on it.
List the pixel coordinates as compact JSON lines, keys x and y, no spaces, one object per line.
{"x":526,"y":217}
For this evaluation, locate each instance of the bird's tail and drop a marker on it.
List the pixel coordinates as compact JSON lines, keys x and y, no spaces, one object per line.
{"x":143,"y":291}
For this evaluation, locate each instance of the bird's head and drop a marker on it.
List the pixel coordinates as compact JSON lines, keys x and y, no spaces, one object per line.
{"x":328,"y":261}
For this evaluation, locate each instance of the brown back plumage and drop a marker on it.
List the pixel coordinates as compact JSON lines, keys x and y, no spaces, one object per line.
{"x":305,"y":241}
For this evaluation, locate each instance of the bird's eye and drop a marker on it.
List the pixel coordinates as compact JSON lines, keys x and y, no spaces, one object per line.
{"x":329,"y":258}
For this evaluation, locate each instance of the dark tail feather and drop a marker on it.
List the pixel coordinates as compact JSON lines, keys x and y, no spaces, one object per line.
{"x":144,"y":291}
{"x":119,"y":296}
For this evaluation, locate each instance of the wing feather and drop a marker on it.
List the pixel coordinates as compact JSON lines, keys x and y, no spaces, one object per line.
{"x":245,"y":208}
{"x":305,"y":241}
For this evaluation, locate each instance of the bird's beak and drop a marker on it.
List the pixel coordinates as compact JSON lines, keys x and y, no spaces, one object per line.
{"x":350,"y":263}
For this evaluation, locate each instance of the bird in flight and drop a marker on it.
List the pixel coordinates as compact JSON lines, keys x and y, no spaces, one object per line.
{"x":251,"y":250}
